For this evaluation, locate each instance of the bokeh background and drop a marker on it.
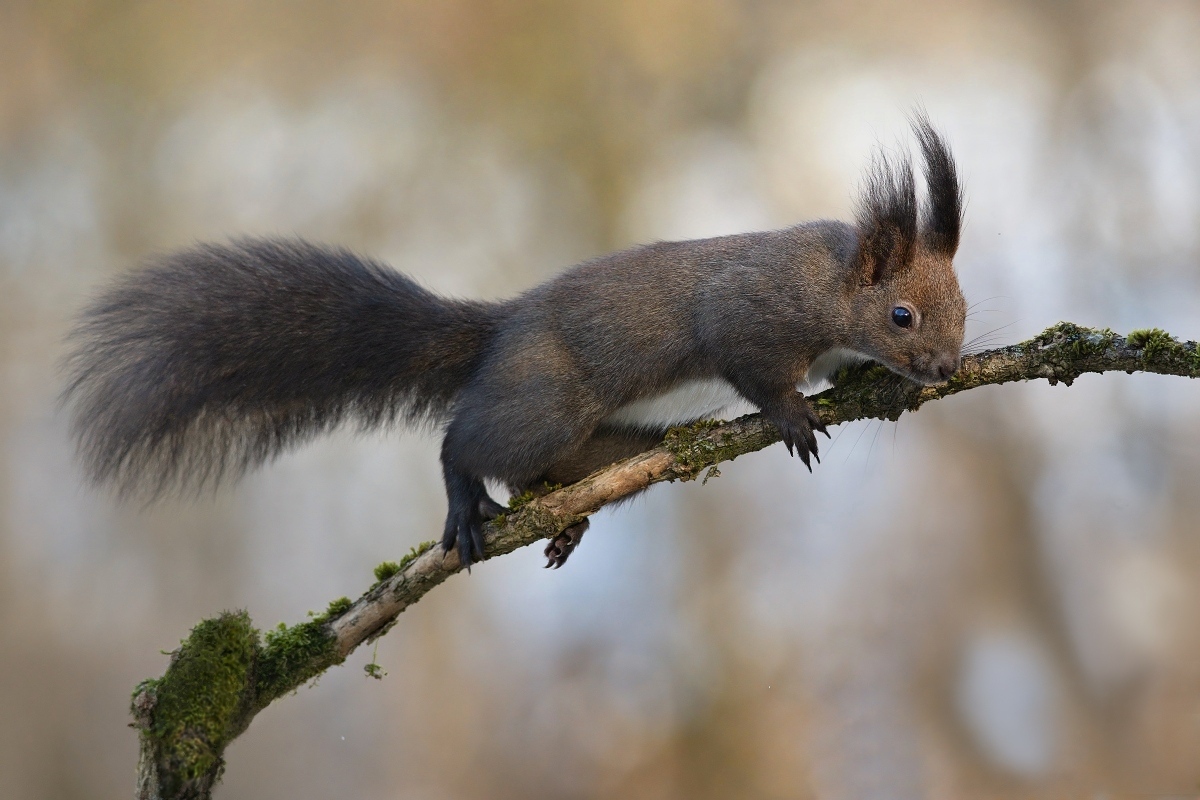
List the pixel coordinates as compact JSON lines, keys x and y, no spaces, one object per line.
{"x":996,"y":597}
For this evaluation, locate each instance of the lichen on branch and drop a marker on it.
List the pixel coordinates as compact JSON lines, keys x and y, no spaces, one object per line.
{"x":225,"y":672}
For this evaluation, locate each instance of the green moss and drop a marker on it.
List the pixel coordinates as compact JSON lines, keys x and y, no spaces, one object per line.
{"x":1067,"y":339}
{"x":695,"y":448}
{"x":293,"y":654}
{"x":1138,"y":338}
{"x":416,"y":552}
{"x":1163,"y":349}
{"x":1090,"y":342}
{"x":1153,"y":342}
{"x":1079,"y":340}
{"x":385,"y":570}
{"x":337,"y":607}
{"x":867,"y":386}
{"x":200,"y":700}
{"x":1060,"y":330}
{"x":856,"y":379}
{"x":518,"y":500}
{"x":148,"y":685}
{"x":220,"y":675}
{"x":866,"y":371}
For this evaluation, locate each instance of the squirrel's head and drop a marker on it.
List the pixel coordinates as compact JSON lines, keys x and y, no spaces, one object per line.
{"x":907,"y":307}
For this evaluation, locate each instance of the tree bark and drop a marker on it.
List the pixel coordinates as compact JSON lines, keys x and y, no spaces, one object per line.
{"x":225,"y":672}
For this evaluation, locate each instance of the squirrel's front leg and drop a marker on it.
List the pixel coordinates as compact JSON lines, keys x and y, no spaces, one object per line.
{"x":788,"y":410}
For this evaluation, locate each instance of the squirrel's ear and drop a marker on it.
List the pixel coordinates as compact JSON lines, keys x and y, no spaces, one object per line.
{"x":942,"y":219}
{"x":887,"y":220}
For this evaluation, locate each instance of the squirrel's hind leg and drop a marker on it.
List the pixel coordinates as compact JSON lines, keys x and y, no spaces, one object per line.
{"x":603,"y":447}
{"x":469,"y":507}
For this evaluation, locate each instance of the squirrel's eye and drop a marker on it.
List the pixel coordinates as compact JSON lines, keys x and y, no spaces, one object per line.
{"x":902,"y":317}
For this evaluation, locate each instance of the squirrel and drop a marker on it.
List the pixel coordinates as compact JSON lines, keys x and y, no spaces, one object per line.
{"x":214,"y":360}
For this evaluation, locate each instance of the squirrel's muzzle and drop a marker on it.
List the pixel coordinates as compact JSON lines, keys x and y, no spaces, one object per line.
{"x":946,"y":366}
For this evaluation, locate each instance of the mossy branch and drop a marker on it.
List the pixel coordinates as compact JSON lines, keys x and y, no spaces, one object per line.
{"x":225,"y":672}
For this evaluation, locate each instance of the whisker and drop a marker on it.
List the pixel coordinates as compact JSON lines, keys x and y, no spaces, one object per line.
{"x":992,"y":332}
{"x":988,"y":299}
{"x":856,"y":441}
{"x":983,"y":343}
{"x":986,"y":347}
{"x":841,"y":429}
{"x":989,"y":333}
{"x":982,"y":340}
{"x":874,"y":439}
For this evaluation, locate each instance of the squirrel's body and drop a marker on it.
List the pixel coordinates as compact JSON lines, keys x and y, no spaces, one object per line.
{"x":219,"y":357}
{"x":636,"y":330}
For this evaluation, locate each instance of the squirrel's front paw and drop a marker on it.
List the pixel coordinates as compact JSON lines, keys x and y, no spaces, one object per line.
{"x":797,"y":428}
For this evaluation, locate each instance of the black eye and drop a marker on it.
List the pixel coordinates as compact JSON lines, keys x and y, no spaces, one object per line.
{"x":902,"y":317}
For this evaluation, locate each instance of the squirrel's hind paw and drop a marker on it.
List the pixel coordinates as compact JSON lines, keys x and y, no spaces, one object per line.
{"x":464,"y":528}
{"x":560,"y":547}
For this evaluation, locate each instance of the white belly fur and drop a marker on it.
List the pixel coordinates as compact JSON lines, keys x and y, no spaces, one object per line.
{"x":715,"y":398}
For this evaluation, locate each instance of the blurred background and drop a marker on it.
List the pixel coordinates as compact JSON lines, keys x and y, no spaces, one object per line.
{"x":996,"y":597}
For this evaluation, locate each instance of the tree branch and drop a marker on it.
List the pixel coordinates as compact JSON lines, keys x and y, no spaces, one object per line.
{"x":225,"y":673}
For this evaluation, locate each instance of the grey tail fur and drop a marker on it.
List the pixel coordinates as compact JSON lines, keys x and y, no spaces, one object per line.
{"x":214,"y":360}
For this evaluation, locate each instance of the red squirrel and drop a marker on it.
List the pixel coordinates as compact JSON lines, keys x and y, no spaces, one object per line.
{"x":215,"y":359}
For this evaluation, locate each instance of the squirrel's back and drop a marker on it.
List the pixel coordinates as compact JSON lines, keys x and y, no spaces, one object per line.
{"x":213,"y":360}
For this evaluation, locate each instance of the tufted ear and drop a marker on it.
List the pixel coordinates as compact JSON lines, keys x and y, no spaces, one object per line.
{"x":942,"y":217}
{"x":886,"y":220}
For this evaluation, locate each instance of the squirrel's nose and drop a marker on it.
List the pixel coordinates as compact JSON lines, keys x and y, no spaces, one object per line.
{"x":945,"y":366}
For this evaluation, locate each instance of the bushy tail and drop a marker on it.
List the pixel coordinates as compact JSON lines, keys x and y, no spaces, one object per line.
{"x":215,"y":359}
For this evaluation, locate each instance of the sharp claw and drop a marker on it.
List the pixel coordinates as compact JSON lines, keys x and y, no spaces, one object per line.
{"x":464,"y":546}
{"x":560,"y":548}
{"x":477,"y":540}
{"x":554,"y":554}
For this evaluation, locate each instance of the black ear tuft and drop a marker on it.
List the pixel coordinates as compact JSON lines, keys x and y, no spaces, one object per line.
{"x":942,"y":220}
{"x":887,"y":218}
